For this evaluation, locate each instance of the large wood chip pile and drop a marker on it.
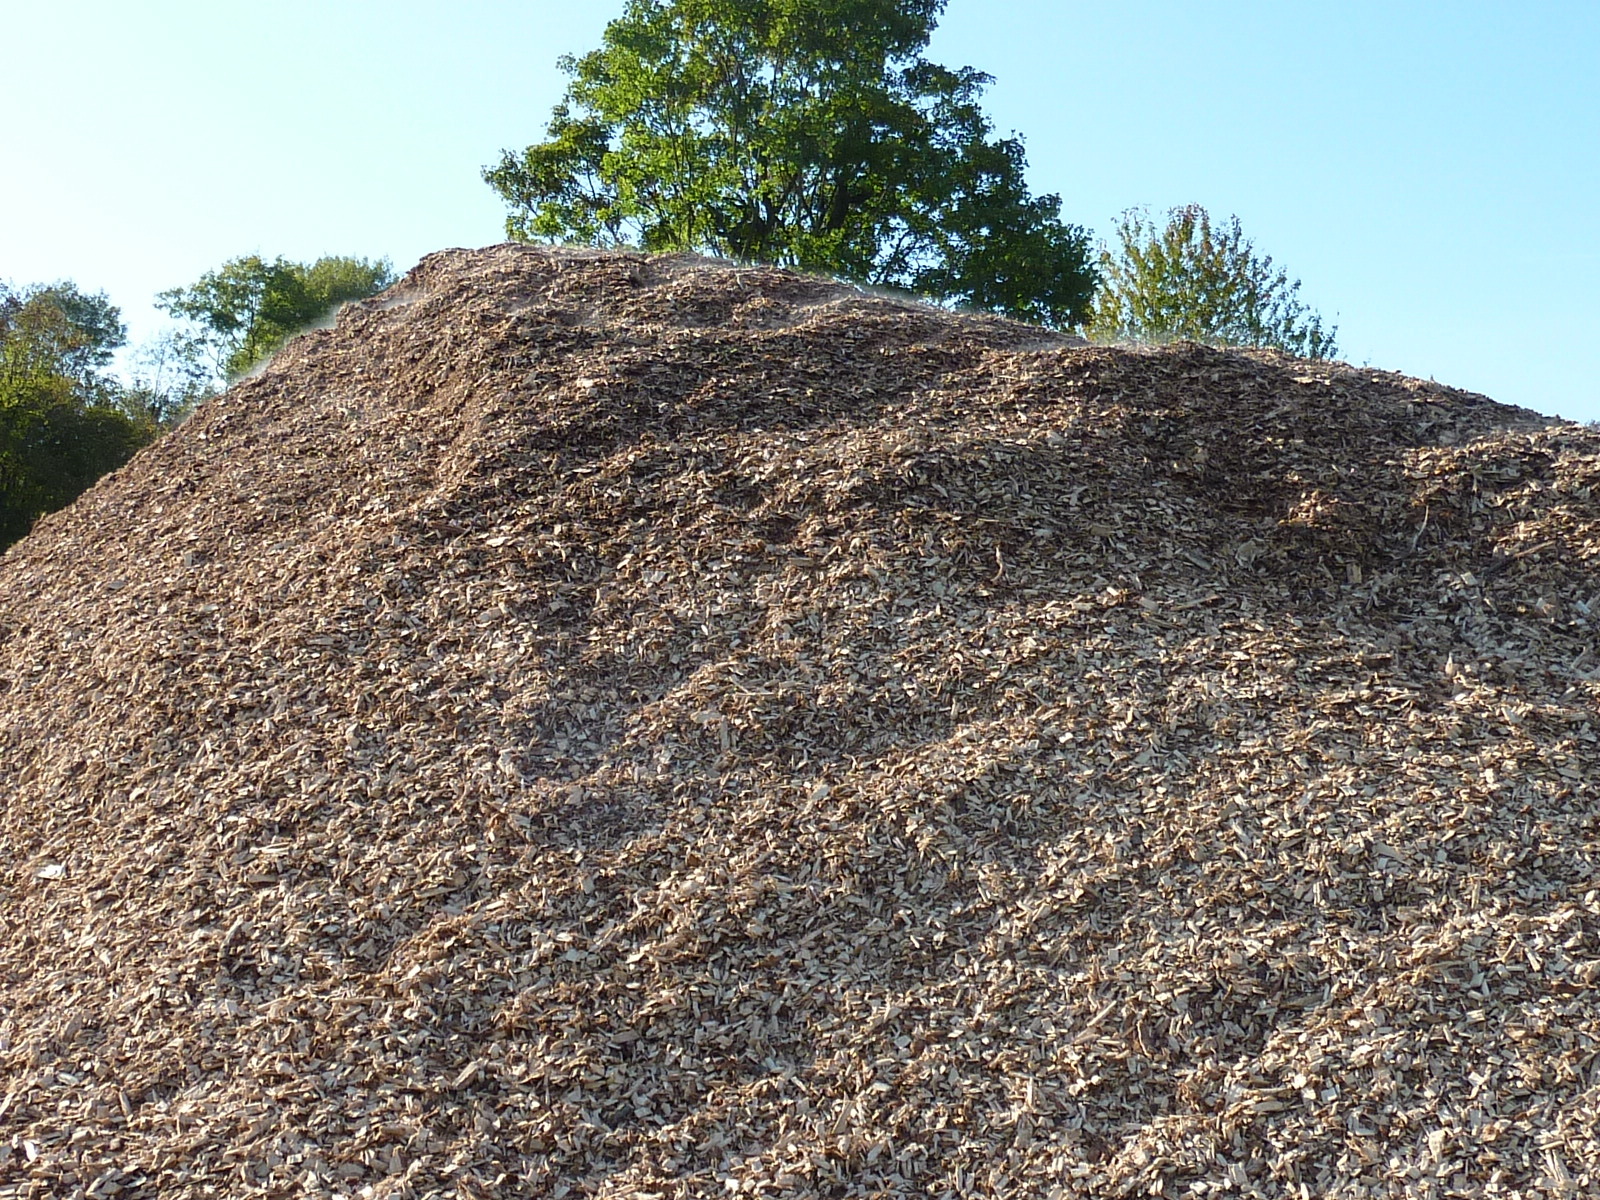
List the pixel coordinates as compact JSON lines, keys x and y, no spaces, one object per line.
{"x":621,"y":726}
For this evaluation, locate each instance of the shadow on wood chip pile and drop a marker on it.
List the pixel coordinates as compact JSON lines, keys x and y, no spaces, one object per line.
{"x":607,"y":725}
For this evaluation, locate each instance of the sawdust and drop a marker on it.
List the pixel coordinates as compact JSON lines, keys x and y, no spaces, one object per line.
{"x":604,"y":725}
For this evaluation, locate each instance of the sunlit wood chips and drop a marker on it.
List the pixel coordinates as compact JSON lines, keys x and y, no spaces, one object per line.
{"x":602,"y":725}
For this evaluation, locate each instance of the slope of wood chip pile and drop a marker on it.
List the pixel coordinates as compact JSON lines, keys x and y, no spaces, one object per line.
{"x":600,"y":725}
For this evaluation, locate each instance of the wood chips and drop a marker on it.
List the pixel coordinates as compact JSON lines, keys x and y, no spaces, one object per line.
{"x":621,"y":726}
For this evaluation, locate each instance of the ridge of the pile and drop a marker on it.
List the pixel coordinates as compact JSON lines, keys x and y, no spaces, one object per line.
{"x":596,"y":723}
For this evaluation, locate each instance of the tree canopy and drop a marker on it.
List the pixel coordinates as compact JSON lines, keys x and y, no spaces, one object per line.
{"x":248,"y":307}
{"x":1190,"y":280}
{"x":806,"y":133}
{"x":61,"y":425}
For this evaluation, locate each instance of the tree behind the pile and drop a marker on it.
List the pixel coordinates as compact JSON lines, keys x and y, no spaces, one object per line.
{"x":806,"y":133}
{"x":61,"y":424}
{"x":248,"y":307}
{"x":1192,"y":281}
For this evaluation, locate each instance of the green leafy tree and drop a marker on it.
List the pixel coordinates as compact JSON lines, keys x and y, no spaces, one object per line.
{"x":807,"y":133}
{"x":1191,"y":280}
{"x":56,"y":327}
{"x":248,"y":307}
{"x":61,"y":426}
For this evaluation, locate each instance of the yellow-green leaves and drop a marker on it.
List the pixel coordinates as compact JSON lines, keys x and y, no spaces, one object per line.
{"x":1197,"y":282}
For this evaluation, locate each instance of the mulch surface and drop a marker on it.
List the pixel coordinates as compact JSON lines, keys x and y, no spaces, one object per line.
{"x":606,"y":725}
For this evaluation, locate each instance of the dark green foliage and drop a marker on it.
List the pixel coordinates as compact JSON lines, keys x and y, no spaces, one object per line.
{"x":61,"y":426}
{"x":807,"y":133}
{"x":249,"y":307}
{"x":1190,"y":281}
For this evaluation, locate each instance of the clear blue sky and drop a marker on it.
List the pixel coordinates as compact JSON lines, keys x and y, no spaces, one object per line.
{"x":1431,"y":171}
